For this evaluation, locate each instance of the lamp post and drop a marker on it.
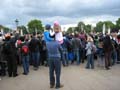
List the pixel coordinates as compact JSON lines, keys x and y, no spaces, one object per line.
{"x":16,"y":22}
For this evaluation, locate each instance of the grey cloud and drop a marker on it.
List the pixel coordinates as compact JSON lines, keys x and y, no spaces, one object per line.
{"x":48,"y":10}
{"x":76,"y":9}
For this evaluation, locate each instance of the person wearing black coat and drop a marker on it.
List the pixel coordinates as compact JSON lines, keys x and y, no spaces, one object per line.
{"x":9,"y":51}
{"x":107,"y":47}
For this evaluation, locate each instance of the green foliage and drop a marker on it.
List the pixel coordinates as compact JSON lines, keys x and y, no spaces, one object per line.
{"x":1,"y":27}
{"x":6,"y":29}
{"x":108,"y":24}
{"x":23,"y":28}
{"x":70,"y":30}
{"x":88,"y":28}
{"x":118,"y":23}
{"x":99,"y":27}
{"x":35,"y":25}
{"x":76,"y":29}
{"x":81,"y":26}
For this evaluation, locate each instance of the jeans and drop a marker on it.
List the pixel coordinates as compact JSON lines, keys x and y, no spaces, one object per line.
{"x":82,"y":53}
{"x":25,"y":62}
{"x":114,"y":57}
{"x":90,"y":61}
{"x":64,"y":56}
{"x":77,"y":57}
{"x":101,"y":57}
{"x":118,"y":55}
{"x":35,"y":56}
{"x":54,"y":65}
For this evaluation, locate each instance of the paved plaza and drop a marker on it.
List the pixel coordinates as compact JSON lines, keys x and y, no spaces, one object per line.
{"x":73,"y":77}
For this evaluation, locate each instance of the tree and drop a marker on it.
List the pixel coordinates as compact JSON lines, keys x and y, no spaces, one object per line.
{"x":88,"y":28}
{"x":76,"y":29}
{"x":81,"y":26}
{"x":1,"y":27}
{"x":6,"y":29}
{"x":23,"y":28}
{"x":118,"y":24}
{"x":99,"y":27}
{"x":35,"y":26}
{"x":109,"y":24}
{"x":70,"y":30}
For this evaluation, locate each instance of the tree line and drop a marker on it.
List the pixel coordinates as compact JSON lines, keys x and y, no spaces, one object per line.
{"x":98,"y":28}
{"x":36,"y":25}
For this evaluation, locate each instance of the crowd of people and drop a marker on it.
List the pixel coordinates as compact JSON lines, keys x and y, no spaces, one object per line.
{"x":53,"y":48}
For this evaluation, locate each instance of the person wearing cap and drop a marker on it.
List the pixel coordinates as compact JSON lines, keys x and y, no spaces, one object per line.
{"x":58,"y":32}
{"x":59,"y":38}
{"x":47,"y":37}
{"x":54,"y":54}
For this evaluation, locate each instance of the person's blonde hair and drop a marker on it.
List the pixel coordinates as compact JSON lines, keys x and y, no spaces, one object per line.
{"x":89,"y":39}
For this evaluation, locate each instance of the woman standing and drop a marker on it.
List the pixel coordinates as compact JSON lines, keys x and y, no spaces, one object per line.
{"x":89,"y":53}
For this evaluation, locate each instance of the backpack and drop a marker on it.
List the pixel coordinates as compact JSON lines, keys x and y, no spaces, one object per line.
{"x":7,"y":48}
{"x":94,"y":49}
{"x":25,"y":49}
{"x":71,"y":56}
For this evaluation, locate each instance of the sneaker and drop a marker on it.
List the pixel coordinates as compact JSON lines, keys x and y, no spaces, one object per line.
{"x":52,"y":86}
{"x":108,"y":68}
{"x":57,"y":87}
{"x":10,"y":75}
{"x":92,"y":67}
{"x":25,"y":74}
{"x":87,"y":67}
{"x":35,"y":68}
{"x":15,"y":75}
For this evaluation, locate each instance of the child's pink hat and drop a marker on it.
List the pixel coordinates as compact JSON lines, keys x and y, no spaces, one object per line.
{"x":56,"y":23}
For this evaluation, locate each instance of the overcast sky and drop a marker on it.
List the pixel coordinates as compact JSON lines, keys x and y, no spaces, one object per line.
{"x":65,"y":11}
